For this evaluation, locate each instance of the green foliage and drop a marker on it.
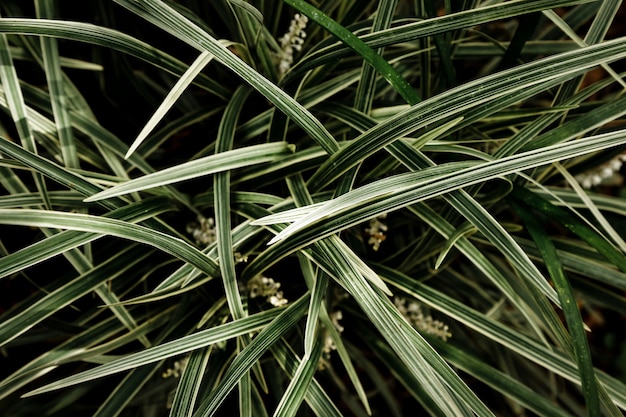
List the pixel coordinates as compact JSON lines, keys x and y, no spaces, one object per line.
{"x":327,"y":208}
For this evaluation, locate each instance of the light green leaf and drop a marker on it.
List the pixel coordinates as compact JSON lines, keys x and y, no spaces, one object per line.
{"x":167,"y":103}
{"x":189,"y":384}
{"x":113,"y":227}
{"x":166,"y":350}
{"x":224,"y":161}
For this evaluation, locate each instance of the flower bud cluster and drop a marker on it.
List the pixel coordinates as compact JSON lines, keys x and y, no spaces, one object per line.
{"x":175,"y":372}
{"x":203,"y":231}
{"x":261,"y":286}
{"x":177,"y":368}
{"x":291,"y":42}
{"x":329,"y":344}
{"x":376,"y":231}
{"x":603,"y":172}
{"x":416,"y":317}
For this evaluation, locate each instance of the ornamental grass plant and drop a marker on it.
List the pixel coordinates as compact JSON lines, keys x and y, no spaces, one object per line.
{"x":297,"y":208}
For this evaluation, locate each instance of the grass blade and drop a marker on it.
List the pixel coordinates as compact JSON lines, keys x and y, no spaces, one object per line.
{"x":176,"y":91}
{"x":224,"y":161}
{"x":251,"y":353}
{"x":461,"y":99}
{"x":113,"y":227}
{"x":169,"y":349}
{"x":575,"y":225}
{"x":570,"y":309}
{"x":190,"y":381}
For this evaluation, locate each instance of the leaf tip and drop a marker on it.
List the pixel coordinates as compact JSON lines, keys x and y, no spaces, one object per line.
{"x":274,"y":240}
{"x":91,"y":198}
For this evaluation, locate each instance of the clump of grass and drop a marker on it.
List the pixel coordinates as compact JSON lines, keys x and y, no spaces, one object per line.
{"x":294,"y":208}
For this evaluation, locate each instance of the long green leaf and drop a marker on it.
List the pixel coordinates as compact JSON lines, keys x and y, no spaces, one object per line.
{"x":106,"y":37}
{"x":575,"y":225}
{"x":58,"y":97}
{"x":113,"y":227}
{"x":442,"y":384}
{"x":171,"y":98}
{"x":69,"y":239}
{"x":315,"y":396}
{"x":52,"y":170}
{"x":386,"y":319}
{"x":498,"y":380}
{"x":16,"y":325}
{"x":366,"y":89}
{"x":546,"y":357}
{"x":18,"y":109}
{"x":125,"y":392}
{"x":51,"y":359}
{"x":224,"y":161}
{"x":190,"y":381}
{"x":176,"y":347}
{"x":296,"y":390}
{"x":568,"y":303}
{"x":221,"y":185}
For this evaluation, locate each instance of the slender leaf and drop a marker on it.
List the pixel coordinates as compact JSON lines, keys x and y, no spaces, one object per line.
{"x":190,"y":381}
{"x":570,"y":310}
{"x":251,"y":353}
{"x":167,"y":350}
{"x":113,"y":227}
